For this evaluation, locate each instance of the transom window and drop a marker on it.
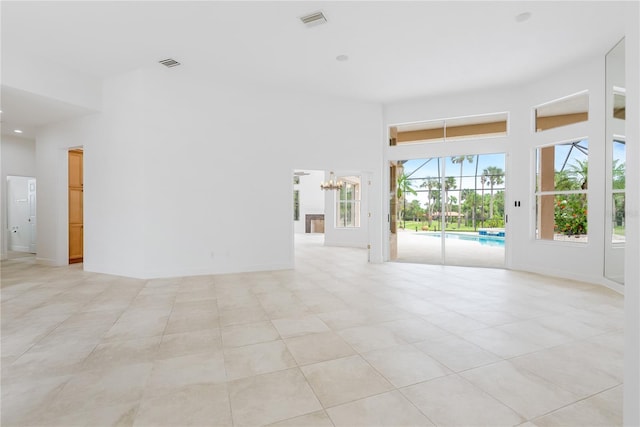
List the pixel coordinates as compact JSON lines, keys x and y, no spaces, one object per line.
{"x":452,"y":129}
{"x":562,"y":112}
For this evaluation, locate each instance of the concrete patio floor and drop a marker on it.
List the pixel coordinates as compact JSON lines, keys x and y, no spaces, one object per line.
{"x":416,"y":247}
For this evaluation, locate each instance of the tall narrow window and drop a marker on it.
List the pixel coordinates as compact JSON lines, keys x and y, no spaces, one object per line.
{"x":561,"y":191}
{"x":296,"y":205}
{"x":618,"y":190}
{"x":348,"y":203}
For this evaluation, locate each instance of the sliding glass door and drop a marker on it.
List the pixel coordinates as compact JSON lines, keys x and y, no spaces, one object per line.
{"x":450,"y":210}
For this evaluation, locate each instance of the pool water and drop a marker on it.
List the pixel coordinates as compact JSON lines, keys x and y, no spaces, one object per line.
{"x":483,"y":240}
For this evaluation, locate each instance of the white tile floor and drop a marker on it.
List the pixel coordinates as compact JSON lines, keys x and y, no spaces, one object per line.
{"x":336,"y":341}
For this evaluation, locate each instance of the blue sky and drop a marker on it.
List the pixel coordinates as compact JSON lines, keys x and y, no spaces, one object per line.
{"x":619,"y":152}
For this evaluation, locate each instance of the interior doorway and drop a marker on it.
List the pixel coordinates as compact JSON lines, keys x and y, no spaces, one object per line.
{"x":308,"y":202}
{"x":21,"y":214}
{"x":448,"y":210}
{"x":76,"y":206}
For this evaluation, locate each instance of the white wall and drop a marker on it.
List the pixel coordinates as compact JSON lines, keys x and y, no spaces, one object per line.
{"x":18,"y":158}
{"x":576,"y":261}
{"x":311,"y":197}
{"x":208,"y":138}
{"x":113,"y":183}
{"x":164,"y":162}
{"x":632,"y":266}
{"x":572,"y":260}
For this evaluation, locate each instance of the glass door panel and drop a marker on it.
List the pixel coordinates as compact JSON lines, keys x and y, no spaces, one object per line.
{"x":451,"y":210}
{"x":474,"y":187}
{"x":419,"y":200}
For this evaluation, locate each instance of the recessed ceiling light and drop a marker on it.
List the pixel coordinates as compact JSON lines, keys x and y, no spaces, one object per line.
{"x":17,"y":131}
{"x":524,"y":16}
{"x":342,"y":58}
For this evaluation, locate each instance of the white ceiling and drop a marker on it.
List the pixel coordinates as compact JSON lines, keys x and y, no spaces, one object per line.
{"x":396,"y":50}
{"x":26,"y":111}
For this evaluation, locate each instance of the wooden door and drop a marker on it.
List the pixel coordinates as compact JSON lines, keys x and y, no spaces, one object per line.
{"x":76,"y":224}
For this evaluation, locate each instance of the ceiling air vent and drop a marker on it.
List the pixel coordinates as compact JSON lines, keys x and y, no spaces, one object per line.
{"x":313,"y":19}
{"x":169,"y":62}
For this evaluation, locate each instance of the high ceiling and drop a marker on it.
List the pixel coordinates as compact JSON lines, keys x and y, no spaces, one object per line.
{"x":396,"y":50}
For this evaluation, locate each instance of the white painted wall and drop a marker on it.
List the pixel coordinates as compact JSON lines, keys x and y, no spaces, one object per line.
{"x":615,"y":72}
{"x":164,"y":162}
{"x":632,"y":266}
{"x":311,"y":197}
{"x":208,"y":138}
{"x":114,"y":160}
{"x":18,"y":158}
{"x":576,"y":261}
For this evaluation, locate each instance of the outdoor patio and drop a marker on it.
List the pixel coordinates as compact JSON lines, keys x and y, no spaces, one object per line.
{"x":417,"y":247}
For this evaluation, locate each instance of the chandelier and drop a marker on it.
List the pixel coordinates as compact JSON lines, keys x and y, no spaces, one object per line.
{"x":332,"y":184}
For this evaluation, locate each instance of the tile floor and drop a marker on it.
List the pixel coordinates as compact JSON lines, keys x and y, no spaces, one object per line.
{"x":335,"y":342}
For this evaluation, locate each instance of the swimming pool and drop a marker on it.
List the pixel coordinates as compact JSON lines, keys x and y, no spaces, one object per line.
{"x":483,"y":240}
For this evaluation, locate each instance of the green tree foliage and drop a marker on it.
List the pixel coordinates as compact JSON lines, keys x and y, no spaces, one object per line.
{"x":570,"y":213}
{"x":414,"y":211}
{"x":618,"y":175}
{"x":449,"y":184}
{"x":404,"y":186}
{"x":460,"y":160}
{"x":492,"y":176}
{"x":579,"y":171}
{"x":433,"y":196}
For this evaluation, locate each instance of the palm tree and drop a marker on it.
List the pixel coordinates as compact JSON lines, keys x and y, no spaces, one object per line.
{"x":492,"y":176}
{"x":430,"y":184}
{"x":562,"y":181}
{"x":580,"y":172}
{"x":404,"y":187}
{"x":467,"y":194}
{"x":460,"y":160}
{"x":618,"y":175}
{"x":449,"y":184}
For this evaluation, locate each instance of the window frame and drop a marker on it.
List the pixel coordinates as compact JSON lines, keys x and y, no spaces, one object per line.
{"x":450,"y":129}
{"x":613,"y":192}
{"x":353,"y":204}
{"x":538,"y":194}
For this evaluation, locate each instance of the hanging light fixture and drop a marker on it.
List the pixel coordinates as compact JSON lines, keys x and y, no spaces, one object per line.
{"x":332,"y":184}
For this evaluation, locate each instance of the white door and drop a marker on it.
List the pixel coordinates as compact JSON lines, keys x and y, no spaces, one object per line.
{"x":32,"y":214}
{"x":21,"y":213}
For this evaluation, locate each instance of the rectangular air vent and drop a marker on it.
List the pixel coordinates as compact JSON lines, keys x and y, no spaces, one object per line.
{"x":169,"y":62}
{"x":313,"y":19}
